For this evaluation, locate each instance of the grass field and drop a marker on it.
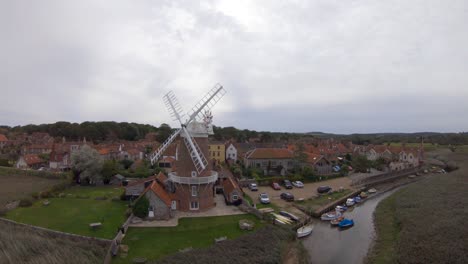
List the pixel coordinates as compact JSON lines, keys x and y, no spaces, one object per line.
{"x":318,"y":202}
{"x":16,"y":187}
{"x":425,"y":222}
{"x":74,"y":212}
{"x":197,"y":232}
{"x":20,"y":244}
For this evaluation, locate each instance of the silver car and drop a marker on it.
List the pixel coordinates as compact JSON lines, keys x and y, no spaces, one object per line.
{"x":264,"y":199}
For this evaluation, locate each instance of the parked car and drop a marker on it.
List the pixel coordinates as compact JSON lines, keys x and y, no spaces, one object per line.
{"x":275,"y":186}
{"x":323,"y":189}
{"x":298,"y":184}
{"x":287,"y":196}
{"x":264,"y":199}
{"x":287,"y":184}
{"x":253,"y":187}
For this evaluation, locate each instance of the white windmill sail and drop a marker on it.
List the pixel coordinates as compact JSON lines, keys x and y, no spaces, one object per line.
{"x":176,"y":112}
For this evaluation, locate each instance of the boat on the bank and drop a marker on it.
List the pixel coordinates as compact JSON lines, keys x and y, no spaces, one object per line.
{"x":330,"y":216}
{"x":281,"y":219}
{"x":363,"y":195}
{"x":346,"y":223}
{"x":357,"y":199}
{"x":372,"y":190}
{"x":341,"y":208}
{"x":335,"y":222}
{"x":305,"y":230}
{"x":350,"y":202}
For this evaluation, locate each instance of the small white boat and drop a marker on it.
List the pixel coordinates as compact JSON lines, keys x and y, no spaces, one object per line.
{"x":305,"y":230}
{"x":350,"y":202}
{"x":330,"y":216}
{"x":372,"y":190}
{"x":281,"y":219}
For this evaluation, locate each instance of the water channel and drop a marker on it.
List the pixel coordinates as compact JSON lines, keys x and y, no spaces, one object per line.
{"x":331,"y":245}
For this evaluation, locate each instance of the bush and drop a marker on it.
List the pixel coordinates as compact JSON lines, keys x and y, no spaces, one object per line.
{"x":123,"y":196}
{"x":140,"y":208}
{"x":45,"y":194}
{"x":3,"y":211}
{"x":35,"y":195}
{"x":26,"y":202}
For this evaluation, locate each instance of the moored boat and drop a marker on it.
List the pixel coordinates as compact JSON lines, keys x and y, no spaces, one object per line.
{"x":305,"y":230}
{"x":335,"y":222}
{"x":341,"y":208}
{"x":330,"y":216}
{"x":357,"y":199}
{"x":350,"y":202}
{"x":346,"y":223}
{"x":363,"y":195}
{"x":372,"y":190}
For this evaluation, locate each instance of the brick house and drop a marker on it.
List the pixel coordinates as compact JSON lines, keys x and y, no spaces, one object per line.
{"x":270,"y":160}
{"x":231,"y":190}
{"x":3,"y":141}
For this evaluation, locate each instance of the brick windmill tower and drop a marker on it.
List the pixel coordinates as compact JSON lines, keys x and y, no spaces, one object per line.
{"x":194,"y":178}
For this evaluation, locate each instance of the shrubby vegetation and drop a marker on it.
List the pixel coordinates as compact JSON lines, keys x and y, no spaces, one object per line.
{"x":140,"y":208}
{"x":425,"y":222}
{"x":21,"y":244}
{"x":263,"y":246}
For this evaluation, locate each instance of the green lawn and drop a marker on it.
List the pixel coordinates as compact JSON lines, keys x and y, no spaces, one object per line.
{"x":73,"y":215}
{"x":260,"y":205}
{"x":318,"y":202}
{"x":156,"y":242}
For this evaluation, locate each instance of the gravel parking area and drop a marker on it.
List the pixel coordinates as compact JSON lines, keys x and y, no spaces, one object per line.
{"x":309,"y":191}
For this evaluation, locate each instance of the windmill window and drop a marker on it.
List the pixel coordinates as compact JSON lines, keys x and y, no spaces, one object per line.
{"x":194,"y":174}
{"x":193,"y":205}
{"x":235,"y":197}
{"x":194,"y":191}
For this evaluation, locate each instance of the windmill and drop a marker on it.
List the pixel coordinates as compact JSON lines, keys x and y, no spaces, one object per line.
{"x":192,"y":165}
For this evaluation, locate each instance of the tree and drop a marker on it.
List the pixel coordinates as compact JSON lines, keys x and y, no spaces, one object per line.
{"x":360,"y":164}
{"x":164,"y":132}
{"x":140,"y":208}
{"x":109,"y":169}
{"x":87,"y":163}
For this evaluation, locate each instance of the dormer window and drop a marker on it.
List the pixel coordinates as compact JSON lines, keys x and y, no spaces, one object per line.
{"x":194,"y":174}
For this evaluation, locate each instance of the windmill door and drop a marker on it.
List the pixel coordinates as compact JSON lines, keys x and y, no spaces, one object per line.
{"x":174,"y":205}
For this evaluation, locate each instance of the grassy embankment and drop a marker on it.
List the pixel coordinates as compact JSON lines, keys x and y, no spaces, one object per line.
{"x":76,"y":210}
{"x":316,"y":203}
{"x":259,"y":205}
{"x":425,"y":222}
{"x":198,"y":232}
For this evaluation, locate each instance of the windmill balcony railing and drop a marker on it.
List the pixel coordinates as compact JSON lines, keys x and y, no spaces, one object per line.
{"x":194,"y":180}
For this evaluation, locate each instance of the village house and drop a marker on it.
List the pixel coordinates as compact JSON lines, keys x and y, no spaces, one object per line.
{"x":270,"y":160}
{"x":159,"y":202}
{"x":217,"y":152}
{"x":231,"y":152}
{"x":37,"y":149}
{"x":31,"y":161}
{"x":3,"y":141}
{"x":135,"y":188}
{"x":231,"y":190}
{"x":319,"y":164}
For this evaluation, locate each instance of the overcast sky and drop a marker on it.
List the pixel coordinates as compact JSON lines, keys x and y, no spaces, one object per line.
{"x":296,"y":66}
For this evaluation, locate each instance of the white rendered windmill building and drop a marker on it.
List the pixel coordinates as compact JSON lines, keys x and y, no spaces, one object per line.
{"x":192,"y":181}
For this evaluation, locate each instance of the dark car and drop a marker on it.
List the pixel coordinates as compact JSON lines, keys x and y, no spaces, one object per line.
{"x":287,"y":197}
{"x":323,"y":189}
{"x":275,"y":186}
{"x":287,"y":184}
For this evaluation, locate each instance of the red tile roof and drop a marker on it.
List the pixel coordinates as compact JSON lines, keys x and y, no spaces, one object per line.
{"x":141,"y":181}
{"x":161,"y":177}
{"x":313,"y":158}
{"x":32,"y":159}
{"x":270,"y":153}
{"x":160,"y":192}
{"x":3,"y":138}
{"x":230,"y":185}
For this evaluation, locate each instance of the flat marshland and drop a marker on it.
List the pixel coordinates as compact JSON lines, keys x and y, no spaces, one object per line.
{"x":426,"y":221}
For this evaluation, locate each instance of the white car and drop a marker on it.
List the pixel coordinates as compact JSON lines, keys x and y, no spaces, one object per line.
{"x":298,"y":184}
{"x":253,"y":187}
{"x":264,"y":199}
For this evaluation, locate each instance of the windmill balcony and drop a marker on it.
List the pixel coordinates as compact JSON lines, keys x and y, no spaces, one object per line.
{"x":193,"y":180}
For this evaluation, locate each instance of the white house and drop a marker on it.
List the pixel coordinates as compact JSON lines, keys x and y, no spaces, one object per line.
{"x":231,"y":152}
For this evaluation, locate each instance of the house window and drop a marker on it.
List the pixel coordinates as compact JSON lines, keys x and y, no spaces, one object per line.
{"x":219,"y":153}
{"x":219,"y":147}
{"x":193,"y":205}
{"x":194,"y":191}
{"x":194,"y":174}
{"x":257,"y":164}
{"x":235,"y":197}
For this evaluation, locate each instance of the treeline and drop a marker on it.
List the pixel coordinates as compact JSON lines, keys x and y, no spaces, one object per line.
{"x":107,"y":130}
{"x":428,"y":137}
{"x":95,"y":131}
